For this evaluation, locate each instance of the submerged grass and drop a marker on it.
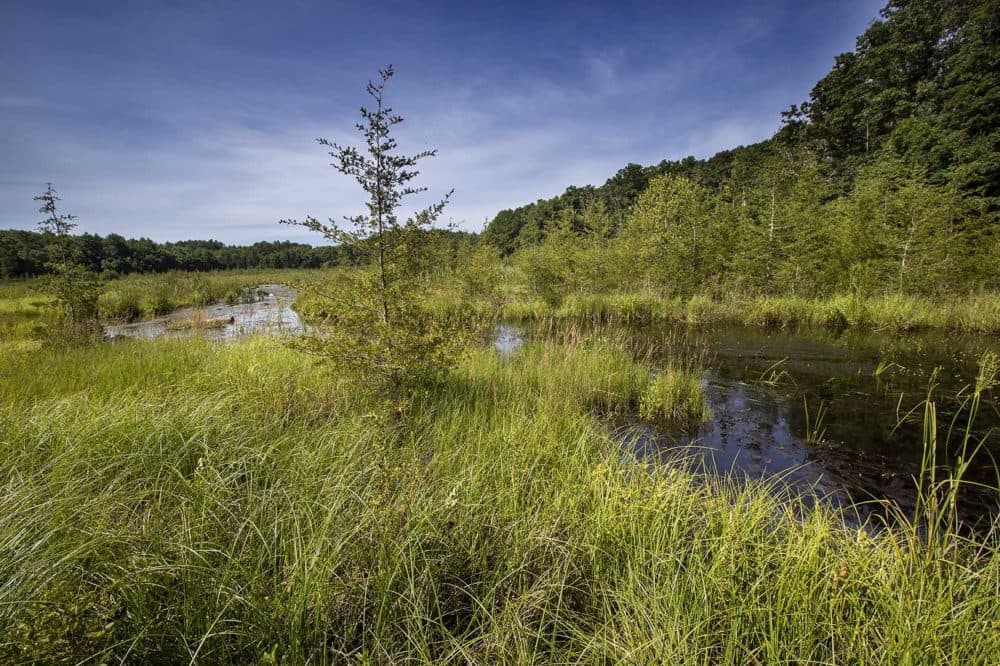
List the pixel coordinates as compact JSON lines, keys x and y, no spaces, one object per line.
{"x":176,"y":501}
{"x":198,"y":322}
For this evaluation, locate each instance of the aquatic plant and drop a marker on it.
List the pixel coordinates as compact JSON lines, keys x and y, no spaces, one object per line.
{"x":936,"y":517}
{"x":815,"y":431}
{"x":775,"y":375}
{"x":198,"y":321}
{"x":675,"y":394}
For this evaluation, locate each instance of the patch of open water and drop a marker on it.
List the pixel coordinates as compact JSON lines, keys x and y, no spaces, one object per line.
{"x":766,"y":389}
{"x":271,"y":314}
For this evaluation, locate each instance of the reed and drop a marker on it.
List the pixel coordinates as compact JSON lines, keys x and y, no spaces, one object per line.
{"x":970,"y":313}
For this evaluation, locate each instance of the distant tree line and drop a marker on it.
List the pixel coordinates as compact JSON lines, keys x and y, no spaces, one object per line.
{"x":886,"y":179}
{"x":24,"y":254}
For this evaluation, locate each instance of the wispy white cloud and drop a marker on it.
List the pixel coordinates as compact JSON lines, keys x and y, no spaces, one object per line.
{"x":728,"y":133}
{"x":211,"y":172}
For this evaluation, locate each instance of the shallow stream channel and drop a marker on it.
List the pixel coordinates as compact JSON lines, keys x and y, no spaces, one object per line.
{"x":834,"y":415}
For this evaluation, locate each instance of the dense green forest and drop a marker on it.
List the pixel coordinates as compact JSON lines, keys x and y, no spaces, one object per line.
{"x":23,"y":254}
{"x":886,"y":180}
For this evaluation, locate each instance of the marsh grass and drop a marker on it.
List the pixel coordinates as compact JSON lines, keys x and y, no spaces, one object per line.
{"x":137,"y":296}
{"x":775,"y":375}
{"x":815,"y":431}
{"x":175,"y":501}
{"x":974,"y":313}
{"x":31,"y":321}
{"x":198,"y":321}
{"x":675,"y":394}
{"x":939,"y":485}
{"x":22,"y":316}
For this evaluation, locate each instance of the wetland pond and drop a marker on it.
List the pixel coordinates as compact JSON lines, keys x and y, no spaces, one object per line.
{"x":860,"y":391}
{"x":269,"y":312}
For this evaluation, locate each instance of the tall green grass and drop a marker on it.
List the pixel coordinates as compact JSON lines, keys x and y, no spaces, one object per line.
{"x":976,"y":312}
{"x":22,"y":315}
{"x":176,"y":501}
{"x":675,"y":394}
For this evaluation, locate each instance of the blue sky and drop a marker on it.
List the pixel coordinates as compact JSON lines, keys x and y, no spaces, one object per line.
{"x":176,"y":120}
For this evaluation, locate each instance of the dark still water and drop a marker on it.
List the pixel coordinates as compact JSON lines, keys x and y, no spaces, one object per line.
{"x":841,"y":413}
{"x":859,"y":393}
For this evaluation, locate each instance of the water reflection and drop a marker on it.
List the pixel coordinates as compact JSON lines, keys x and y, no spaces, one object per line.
{"x":766,"y":387}
{"x":507,"y":339}
{"x":271,"y":314}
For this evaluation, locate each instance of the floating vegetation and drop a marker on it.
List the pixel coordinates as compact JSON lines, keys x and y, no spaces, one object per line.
{"x":198,"y":323}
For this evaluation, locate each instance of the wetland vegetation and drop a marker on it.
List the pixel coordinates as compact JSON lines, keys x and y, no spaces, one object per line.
{"x":736,"y":410}
{"x":591,"y":492}
{"x":176,"y":498}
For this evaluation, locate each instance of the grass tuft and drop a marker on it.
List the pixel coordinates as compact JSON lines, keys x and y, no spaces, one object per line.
{"x":675,"y":394}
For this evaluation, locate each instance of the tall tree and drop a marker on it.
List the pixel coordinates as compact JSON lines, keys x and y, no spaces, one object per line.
{"x":672,"y":232}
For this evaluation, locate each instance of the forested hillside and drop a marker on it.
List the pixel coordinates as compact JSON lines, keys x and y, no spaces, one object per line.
{"x":887,"y":179}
